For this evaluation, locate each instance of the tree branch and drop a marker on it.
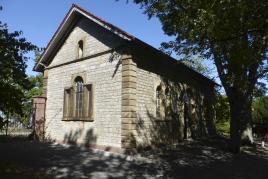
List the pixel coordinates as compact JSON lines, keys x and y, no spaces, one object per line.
{"x":241,"y":35}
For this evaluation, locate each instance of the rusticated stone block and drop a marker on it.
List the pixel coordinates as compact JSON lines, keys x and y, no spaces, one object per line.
{"x":129,"y":104}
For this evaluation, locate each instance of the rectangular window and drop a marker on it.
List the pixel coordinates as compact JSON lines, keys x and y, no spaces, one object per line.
{"x":78,"y":103}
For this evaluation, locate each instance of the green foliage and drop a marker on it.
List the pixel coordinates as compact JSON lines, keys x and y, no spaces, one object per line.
{"x":36,"y":83}
{"x":223,"y":128}
{"x":260,"y":110}
{"x":198,"y":65}
{"x":38,"y":53}
{"x":222,"y":108}
{"x":36,"y":89}
{"x":13,"y":78}
{"x":234,"y":34}
{"x":259,"y":90}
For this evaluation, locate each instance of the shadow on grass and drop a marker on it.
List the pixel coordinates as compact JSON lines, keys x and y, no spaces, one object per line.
{"x":190,"y":159}
{"x":8,"y":139}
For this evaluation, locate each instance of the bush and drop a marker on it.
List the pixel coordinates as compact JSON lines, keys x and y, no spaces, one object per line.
{"x":260,"y":110}
{"x":222,"y":115}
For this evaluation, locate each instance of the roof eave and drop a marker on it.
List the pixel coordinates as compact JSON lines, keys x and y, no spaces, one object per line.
{"x":75,"y":11}
{"x":141,"y":43}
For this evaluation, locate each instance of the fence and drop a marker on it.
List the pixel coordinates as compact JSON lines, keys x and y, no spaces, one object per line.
{"x":17,"y":132}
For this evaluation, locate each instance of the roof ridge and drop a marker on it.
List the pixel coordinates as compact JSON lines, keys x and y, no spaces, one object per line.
{"x":135,"y":38}
{"x":89,"y":14}
{"x":103,"y":21}
{"x":113,"y":28}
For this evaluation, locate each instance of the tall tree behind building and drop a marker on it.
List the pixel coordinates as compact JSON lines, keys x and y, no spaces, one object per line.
{"x":234,"y":34}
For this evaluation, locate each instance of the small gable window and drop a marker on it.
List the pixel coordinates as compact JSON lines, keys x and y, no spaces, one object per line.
{"x":78,"y":101}
{"x":80,"y":48}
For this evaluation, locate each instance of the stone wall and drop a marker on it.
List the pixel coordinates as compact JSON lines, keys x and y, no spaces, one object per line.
{"x":124,"y":94}
{"x":95,"y":38}
{"x":129,"y":103}
{"x":182,"y":118}
{"x":101,"y":71}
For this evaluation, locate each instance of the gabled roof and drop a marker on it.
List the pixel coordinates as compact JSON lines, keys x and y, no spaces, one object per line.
{"x":75,"y":13}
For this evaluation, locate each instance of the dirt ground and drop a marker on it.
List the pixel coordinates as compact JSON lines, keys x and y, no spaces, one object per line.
{"x":21,"y":158}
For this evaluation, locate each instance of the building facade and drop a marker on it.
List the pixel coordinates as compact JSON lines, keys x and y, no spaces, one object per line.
{"x":107,"y":89}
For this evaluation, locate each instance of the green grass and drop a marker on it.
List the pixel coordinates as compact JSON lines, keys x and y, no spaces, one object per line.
{"x":223,"y":128}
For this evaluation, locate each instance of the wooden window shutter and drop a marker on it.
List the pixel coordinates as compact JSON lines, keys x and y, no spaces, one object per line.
{"x":65,"y":103}
{"x":71,"y":103}
{"x":88,"y":101}
{"x":68,"y":103}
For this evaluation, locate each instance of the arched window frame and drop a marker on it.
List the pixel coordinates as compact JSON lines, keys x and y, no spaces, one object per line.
{"x":78,"y":100}
{"x":80,"y":49}
{"x":79,"y":96}
{"x":161,"y":101}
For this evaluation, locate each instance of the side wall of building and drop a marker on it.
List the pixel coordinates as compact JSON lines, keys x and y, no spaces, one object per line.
{"x":186,"y":112}
{"x":101,"y":71}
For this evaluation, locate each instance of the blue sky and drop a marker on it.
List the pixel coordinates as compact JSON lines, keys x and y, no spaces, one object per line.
{"x":39,"y":19}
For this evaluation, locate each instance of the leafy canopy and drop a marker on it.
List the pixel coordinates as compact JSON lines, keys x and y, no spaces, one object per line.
{"x":198,"y":65}
{"x":260,"y":110}
{"x":13,"y":78}
{"x":231,"y":32}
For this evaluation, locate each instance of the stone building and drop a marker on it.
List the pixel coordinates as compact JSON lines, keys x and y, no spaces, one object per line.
{"x":107,"y":89}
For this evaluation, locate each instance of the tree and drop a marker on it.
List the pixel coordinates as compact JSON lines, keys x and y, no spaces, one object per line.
{"x":191,"y":61}
{"x":36,"y":89}
{"x":231,"y":33}
{"x":13,"y":78}
{"x":260,"y":110}
{"x":198,"y":65}
{"x":259,"y":90}
{"x":222,"y":109}
{"x":260,"y":115}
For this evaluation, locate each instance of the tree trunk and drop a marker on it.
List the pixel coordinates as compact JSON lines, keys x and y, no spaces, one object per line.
{"x":241,"y":120}
{"x":246,"y":124}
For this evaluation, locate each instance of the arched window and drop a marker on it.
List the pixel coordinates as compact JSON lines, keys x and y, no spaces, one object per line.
{"x":158,"y":100}
{"x":80,"y":48}
{"x":79,"y":99}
